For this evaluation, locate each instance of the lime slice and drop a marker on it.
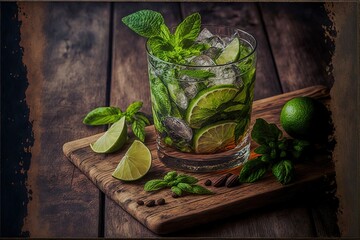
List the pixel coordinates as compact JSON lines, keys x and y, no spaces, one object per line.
{"x":135,"y":163}
{"x":230,"y":54}
{"x":215,"y":138}
{"x":113,"y":139}
{"x":208,"y":103}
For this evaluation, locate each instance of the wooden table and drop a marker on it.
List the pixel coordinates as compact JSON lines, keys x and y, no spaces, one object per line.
{"x":79,"y":56}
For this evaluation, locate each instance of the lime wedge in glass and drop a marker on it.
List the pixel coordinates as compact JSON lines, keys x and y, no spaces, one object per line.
{"x":135,"y":163}
{"x":208,"y":103}
{"x":230,"y":54}
{"x":215,"y":138}
{"x":113,"y":139}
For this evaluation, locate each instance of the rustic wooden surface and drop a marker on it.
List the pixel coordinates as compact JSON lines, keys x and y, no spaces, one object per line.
{"x":188,"y":211}
{"x":79,"y":56}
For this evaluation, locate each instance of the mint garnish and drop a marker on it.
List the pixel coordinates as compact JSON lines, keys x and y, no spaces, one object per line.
{"x":146,"y":23}
{"x":278,"y":154}
{"x":133,"y":116}
{"x":163,"y":44}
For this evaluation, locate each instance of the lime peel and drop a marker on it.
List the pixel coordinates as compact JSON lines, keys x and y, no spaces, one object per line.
{"x":113,"y":139}
{"x":135,"y":163}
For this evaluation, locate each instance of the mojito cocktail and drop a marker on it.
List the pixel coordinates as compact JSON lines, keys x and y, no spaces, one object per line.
{"x":202,"y":105}
{"x":202,"y":88}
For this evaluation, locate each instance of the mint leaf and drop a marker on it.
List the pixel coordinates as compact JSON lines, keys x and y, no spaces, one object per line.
{"x":264,"y":132}
{"x":186,"y":179}
{"x":240,"y":129}
{"x":188,"y":29}
{"x":197,"y":73}
{"x":185,"y":187}
{"x":170,"y":176}
{"x":142,"y":116}
{"x":176,"y":190}
{"x":133,"y":108}
{"x":138,"y":128}
{"x":146,"y":23}
{"x":253,"y":170}
{"x":154,"y":185}
{"x":263,"y":149}
{"x":103,"y":115}
{"x":165,"y":33}
{"x":197,"y":189}
{"x":284,"y":171}
{"x":159,"y":45}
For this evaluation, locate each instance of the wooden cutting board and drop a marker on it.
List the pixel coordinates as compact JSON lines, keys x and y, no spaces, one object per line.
{"x":187,"y":211}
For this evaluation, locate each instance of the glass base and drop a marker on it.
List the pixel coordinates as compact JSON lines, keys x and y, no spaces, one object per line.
{"x":191,"y":162}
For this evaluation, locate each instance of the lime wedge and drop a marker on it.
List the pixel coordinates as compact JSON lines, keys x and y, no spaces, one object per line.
{"x":215,"y":138}
{"x":135,"y":163}
{"x":208,"y":103}
{"x":113,"y":139}
{"x":230,"y":54}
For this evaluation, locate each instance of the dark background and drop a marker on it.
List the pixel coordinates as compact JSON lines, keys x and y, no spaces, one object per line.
{"x":73,"y":57}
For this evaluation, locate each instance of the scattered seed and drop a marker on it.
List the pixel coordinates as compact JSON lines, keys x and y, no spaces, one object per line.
{"x":150,"y":203}
{"x":208,"y":182}
{"x":220,"y":182}
{"x":140,"y":202}
{"x":232,"y":181}
{"x":160,"y":201}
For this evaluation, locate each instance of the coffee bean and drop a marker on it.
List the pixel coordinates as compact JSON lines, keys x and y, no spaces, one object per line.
{"x":208,"y":182}
{"x":232,"y":181}
{"x":140,"y":202}
{"x":160,"y":201}
{"x":220,"y":182}
{"x":150,"y":203}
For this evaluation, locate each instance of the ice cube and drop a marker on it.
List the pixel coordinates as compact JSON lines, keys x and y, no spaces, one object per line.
{"x":224,"y":75}
{"x":202,"y":60}
{"x":212,"y":52}
{"x":217,"y":42}
{"x":204,"y":35}
{"x":178,"y":129}
{"x":177,"y":94}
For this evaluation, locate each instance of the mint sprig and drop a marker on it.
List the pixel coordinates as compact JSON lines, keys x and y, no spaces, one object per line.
{"x":277,"y":153}
{"x":133,"y":116}
{"x":177,"y":183}
{"x":163,"y":44}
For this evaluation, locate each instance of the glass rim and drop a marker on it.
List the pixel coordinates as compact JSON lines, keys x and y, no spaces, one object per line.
{"x":211,"y":66}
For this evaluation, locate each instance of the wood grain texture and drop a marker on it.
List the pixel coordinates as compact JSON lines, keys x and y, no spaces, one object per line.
{"x":188,"y":211}
{"x":345,"y":107}
{"x":66,"y":57}
{"x":297,"y":39}
{"x":244,"y":16}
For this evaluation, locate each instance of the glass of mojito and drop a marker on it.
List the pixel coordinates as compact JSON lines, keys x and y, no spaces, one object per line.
{"x":202,"y":88}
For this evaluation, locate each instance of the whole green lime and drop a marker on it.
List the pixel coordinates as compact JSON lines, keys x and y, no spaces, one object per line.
{"x":305,"y":118}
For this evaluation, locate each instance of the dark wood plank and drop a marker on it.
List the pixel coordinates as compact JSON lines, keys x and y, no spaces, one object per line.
{"x":302,"y":55}
{"x":244,"y":16}
{"x":297,"y":40}
{"x":65,"y":51}
{"x":345,"y":109}
{"x":194,"y":210}
{"x":130,"y":83}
